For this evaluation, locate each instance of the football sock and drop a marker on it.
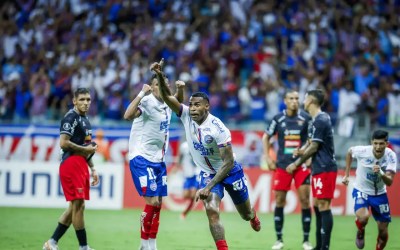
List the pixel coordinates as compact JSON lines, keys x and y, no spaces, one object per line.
{"x":145,"y":221}
{"x":189,"y":207}
{"x":81,"y":235}
{"x":59,"y":232}
{"x":278,"y":219}
{"x":152,"y":243}
{"x":221,"y":245}
{"x":326,"y":225}
{"x":155,"y":223}
{"x":306,"y":220}
{"x":318,"y":227}
{"x":359,"y":225}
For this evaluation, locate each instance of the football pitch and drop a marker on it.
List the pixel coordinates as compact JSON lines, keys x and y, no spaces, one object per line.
{"x":28,"y":228}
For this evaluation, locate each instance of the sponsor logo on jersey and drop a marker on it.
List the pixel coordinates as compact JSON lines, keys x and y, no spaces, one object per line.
{"x":292,"y":143}
{"x":67,"y":126}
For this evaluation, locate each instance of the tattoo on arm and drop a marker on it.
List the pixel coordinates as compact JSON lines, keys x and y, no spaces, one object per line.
{"x":309,"y":151}
{"x":227,"y":156}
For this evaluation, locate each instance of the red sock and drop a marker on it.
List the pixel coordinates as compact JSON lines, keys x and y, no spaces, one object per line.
{"x":155,"y":223}
{"x":189,"y":207}
{"x":359,"y":225}
{"x":382,"y":245}
{"x":145,"y":221}
{"x":221,"y":245}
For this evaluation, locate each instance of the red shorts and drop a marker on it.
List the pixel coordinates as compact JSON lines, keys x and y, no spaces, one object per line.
{"x":323,"y":185}
{"x":75,"y":178}
{"x":283,"y":180}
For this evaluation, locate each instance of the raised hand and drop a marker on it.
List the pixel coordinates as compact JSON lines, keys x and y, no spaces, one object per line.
{"x":157,"y":66}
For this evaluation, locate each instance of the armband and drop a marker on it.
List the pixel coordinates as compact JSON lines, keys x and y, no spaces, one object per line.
{"x":141,"y":94}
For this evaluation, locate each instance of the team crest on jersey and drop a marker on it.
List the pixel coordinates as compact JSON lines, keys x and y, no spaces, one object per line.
{"x":208,"y":139}
{"x":67,"y":126}
{"x":206,"y":181}
{"x":300,"y":122}
{"x":153,"y":186}
{"x":283,"y":124}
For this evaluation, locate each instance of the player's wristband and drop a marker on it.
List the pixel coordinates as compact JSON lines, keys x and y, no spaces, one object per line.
{"x":381,"y":172}
{"x":141,"y":94}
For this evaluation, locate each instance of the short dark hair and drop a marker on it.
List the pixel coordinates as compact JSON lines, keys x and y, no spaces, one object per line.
{"x":380,"y":134}
{"x":202,"y":95}
{"x":80,"y":91}
{"x":318,"y":95}
{"x":289,"y":91}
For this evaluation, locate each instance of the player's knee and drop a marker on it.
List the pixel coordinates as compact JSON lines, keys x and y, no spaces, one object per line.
{"x":305,"y":202}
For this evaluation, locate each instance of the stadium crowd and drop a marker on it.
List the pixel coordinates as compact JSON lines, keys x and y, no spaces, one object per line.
{"x":244,"y":53}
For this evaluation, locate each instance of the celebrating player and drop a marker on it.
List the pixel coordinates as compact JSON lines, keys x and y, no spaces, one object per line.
{"x":376,"y":167}
{"x":210,"y":146}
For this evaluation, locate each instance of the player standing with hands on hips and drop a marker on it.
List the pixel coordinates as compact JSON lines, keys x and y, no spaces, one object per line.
{"x":77,"y":149}
{"x":376,"y":167}
{"x":210,"y":146}
{"x":323,"y":166}
{"x":148,"y":143}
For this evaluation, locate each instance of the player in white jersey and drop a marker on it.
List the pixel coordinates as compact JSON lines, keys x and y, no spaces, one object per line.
{"x":190,"y":174}
{"x":148,"y":143}
{"x":376,"y":167}
{"x":210,"y":146}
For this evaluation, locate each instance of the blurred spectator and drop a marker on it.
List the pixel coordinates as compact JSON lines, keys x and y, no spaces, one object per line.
{"x":262,"y":47}
{"x":103,"y":148}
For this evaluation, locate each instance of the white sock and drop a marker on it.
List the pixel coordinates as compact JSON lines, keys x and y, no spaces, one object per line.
{"x":145,"y":243}
{"x":152,"y":244}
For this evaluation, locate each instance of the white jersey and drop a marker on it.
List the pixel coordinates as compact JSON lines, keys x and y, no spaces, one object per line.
{"x":189,"y":169}
{"x":150,"y":131}
{"x":366,"y":180}
{"x":205,"y":140}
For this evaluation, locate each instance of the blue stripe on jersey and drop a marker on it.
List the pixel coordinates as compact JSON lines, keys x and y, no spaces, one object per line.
{"x":225,"y":144}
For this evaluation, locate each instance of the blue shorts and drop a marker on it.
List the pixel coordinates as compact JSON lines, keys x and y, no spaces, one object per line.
{"x":235,"y":184}
{"x":379,"y":205}
{"x":150,"y":178}
{"x":191,"y":183}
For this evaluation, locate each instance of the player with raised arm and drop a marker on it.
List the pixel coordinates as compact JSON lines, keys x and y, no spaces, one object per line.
{"x":291,"y":127}
{"x":323,"y":167}
{"x":77,"y":149}
{"x":210,"y":146}
{"x":376,"y":168}
{"x":148,"y":143}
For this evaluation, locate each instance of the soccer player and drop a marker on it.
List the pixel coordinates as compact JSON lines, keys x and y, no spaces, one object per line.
{"x":323,"y":167}
{"x":148,"y":143}
{"x":376,"y":167}
{"x":210,"y":146}
{"x":291,"y":128}
{"x":75,"y":134}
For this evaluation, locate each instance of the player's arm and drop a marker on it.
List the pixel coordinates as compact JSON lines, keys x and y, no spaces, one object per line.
{"x":180,"y":93}
{"x":228,"y":161}
{"x":349,"y":160}
{"x":308,"y":152}
{"x":387,"y":177}
{"x":165,"y":92}
{"x":133,"y":111}
{"x":69,"y":146}
{"x":94,"y":174}
{"x":266,"y":143}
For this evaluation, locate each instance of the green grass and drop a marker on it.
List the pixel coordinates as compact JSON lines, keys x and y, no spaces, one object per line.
{"x":28,"y":228}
